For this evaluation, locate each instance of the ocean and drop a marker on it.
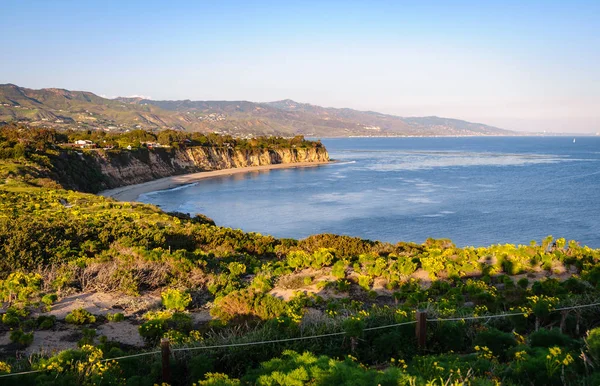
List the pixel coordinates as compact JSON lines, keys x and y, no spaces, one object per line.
{"x":475,"y":191}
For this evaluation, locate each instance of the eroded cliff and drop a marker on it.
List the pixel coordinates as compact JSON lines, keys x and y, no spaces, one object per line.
{"x":134,"y":167}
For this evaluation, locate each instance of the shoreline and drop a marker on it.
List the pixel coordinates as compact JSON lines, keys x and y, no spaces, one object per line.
{"x":132,"y":192}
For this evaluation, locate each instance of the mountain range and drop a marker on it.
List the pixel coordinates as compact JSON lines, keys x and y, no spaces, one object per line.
{"x":59,"y":108}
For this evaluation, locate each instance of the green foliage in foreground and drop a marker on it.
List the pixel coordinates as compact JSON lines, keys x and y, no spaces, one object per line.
{"x":56,"y":242}
{"x":521,"y":365}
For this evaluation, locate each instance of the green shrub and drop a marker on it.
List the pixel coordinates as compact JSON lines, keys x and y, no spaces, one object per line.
{"x":20,"y":286}
{"x":80,"y":316}
{"x":322,"y":258}
{"x":343,"y":285}
{"x":13,"y":316}
{"x":5,"y":368}
{"x":353,"y":326}
{"x":89,"y":335}
{"x":152,"y":330}
{"x":236,"y":269}
{"x":176,"y":300}
{"x":339,"y":269}
{"x":180,"y":321}
{"x":523,"y":283}
{"x":298,"y":259}
{"x":21,"y":338}
{"x":218,"y":379}
{"x":497,"y":341}
{"x":10,"y":320}
{"x":262,"y":283}
{"x":592,"y":342}
{"x":116,"y":317}
{"x":549,"y":338}
{"x":49,"y":299}
{"x":46,"y":322}
{"x":365,"y":282}
{"x":200,"y":365}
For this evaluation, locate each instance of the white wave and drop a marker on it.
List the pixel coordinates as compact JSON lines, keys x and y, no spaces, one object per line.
{"x":154,"y":193}
{"x":432,"y":160}
{"x":346,"y":198}
{"x":420,"y":200}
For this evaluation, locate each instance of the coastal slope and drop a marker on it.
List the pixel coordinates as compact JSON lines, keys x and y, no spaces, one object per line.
{"x":143,"y":166}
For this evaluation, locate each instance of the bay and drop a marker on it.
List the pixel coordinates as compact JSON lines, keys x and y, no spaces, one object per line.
{"x":474,"y":190}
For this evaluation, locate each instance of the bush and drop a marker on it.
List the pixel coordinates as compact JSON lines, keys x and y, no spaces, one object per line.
{"x":218,"y":379}
{"x":5,"y":368}
{"x":497,"y":341}
{"x":46,"y":322}
{"x":13,"y":316}
{"x":176,"y":300}
{"x":89,"y":335}
{"x":80,"y":316}
{"x":117,"y":317}
{"x":343,"y":285}
{"x":365,"y":282}
{"x":152,"y":330}
{"x":592,"y":342}
{"x":523,"y":283}
{"x":339,"y":269}
{"x":21,"y":338}
{"x":10,"y":320}
{"x":353,"y":326}
{"x":548,"y":338}
{"x":49,"y":299}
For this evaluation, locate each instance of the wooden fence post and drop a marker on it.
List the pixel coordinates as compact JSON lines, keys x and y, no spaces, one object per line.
{"x":166,"y":353}
{"x":421,"y":329}
{"x":563,"y":320}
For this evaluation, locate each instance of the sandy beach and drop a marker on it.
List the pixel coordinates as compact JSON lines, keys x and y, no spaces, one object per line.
{"x":132,"y":192}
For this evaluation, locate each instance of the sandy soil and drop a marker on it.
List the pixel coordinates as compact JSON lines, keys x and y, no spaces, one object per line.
{"x":132,"y":192}
{"x":124,"y":332}
{"x":99,"y":303}
{"x":51,"y":342}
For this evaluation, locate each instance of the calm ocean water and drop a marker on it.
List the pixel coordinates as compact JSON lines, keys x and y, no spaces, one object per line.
{"x":475,"y":191}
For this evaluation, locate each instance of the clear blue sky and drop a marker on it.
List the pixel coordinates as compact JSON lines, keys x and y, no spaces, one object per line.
{"x":525,"y":65}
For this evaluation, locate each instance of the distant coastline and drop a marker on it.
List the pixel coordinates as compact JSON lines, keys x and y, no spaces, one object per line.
{"x":132,"y":192}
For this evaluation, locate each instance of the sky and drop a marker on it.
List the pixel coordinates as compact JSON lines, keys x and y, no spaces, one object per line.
{"x":520,"y":65}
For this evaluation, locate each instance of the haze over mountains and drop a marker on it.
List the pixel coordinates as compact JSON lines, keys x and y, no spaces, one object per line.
{"x":80,"y":109}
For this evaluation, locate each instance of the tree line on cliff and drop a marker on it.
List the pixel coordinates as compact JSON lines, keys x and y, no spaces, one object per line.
{"x":48,"y":158}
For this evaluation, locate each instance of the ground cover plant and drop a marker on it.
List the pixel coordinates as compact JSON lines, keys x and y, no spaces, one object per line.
{"x":359,"y":296}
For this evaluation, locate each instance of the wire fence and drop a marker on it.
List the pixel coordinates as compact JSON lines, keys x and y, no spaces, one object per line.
{"x":276,"y":341}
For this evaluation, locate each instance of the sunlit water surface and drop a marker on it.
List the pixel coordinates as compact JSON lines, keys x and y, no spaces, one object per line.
{"x":475,"y":191}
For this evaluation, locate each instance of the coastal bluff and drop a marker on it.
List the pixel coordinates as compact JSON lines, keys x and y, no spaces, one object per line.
{"x":135,"y":167}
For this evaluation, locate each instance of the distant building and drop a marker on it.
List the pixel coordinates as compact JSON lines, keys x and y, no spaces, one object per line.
{"x":85,"y":144}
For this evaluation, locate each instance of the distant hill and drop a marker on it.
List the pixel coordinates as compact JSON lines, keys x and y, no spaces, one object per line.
{"x":80,"y":109}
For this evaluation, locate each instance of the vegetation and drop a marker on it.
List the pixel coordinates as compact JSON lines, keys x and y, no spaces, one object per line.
{"x":47,"y":158}
{"x":257,"y":288}
{"x":58,"y":242}
{"x":84,"y":110}
{"x":80,"y":316}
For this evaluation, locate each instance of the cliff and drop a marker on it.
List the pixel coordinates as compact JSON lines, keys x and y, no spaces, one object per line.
{"x":133,"y":167}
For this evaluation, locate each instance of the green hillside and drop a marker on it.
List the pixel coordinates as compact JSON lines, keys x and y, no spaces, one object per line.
{"x":76,"y":109}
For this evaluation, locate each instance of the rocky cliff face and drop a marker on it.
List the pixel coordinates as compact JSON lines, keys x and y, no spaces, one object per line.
{"x":134,"y":167}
